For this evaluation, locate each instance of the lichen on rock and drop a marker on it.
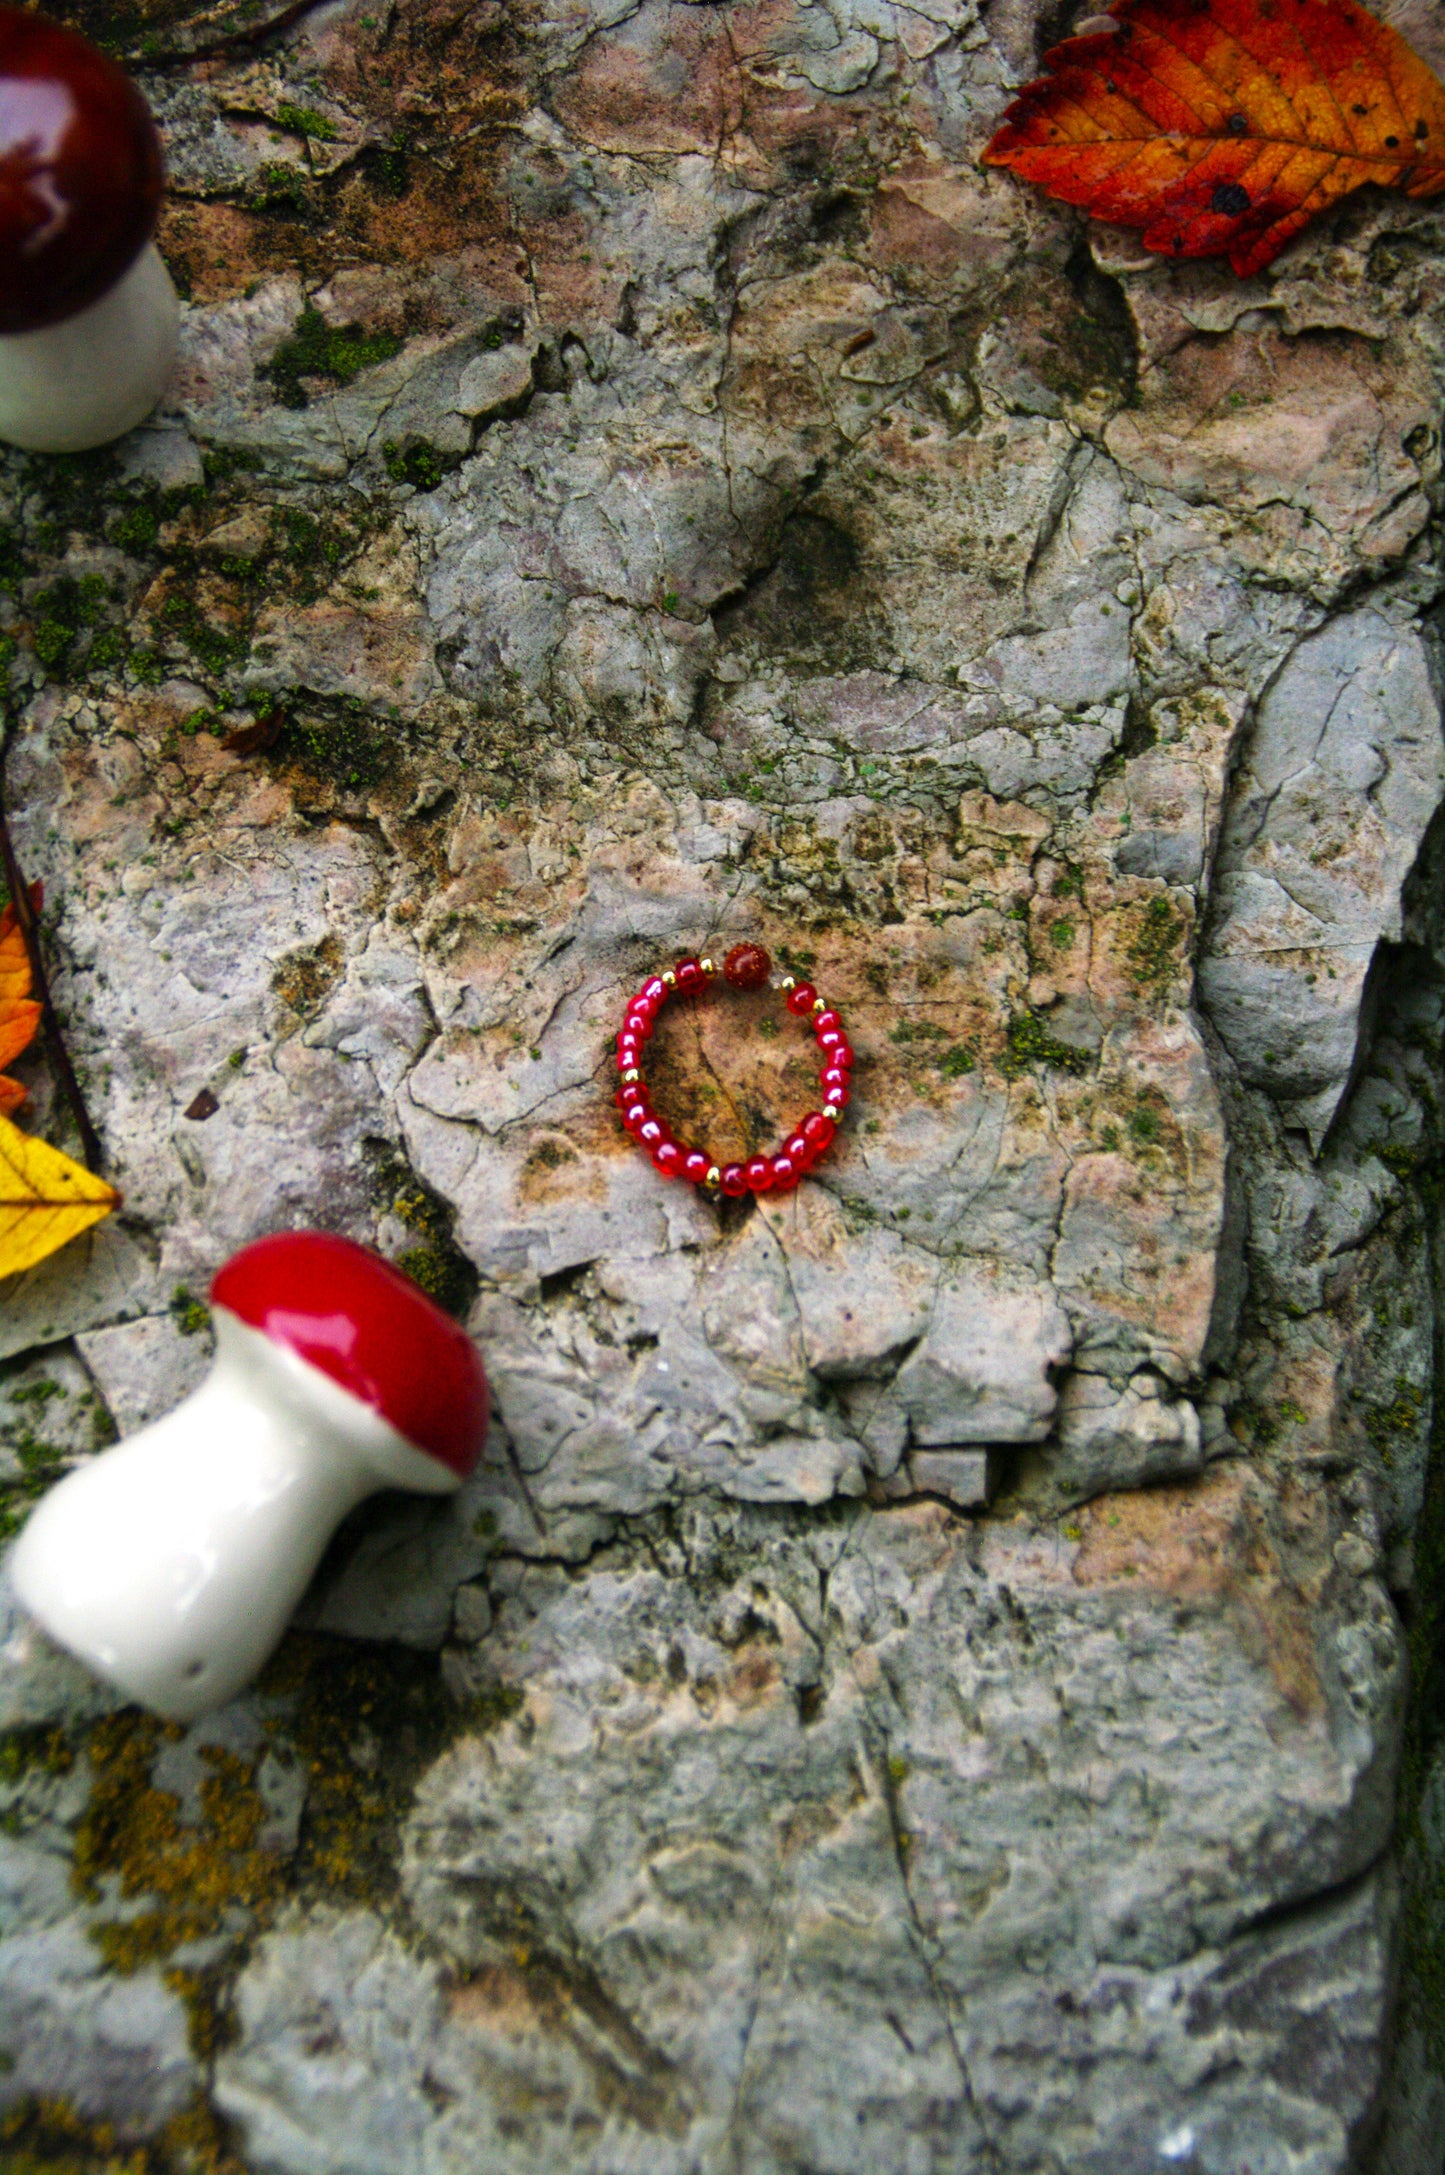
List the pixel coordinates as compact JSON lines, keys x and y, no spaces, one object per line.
{"x":937,"y":1669}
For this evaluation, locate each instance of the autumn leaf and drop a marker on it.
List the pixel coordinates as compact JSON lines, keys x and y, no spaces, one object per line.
{"x":1221,"y":127}
{"x":45,"y":1199}
{"x":19,"y":1012}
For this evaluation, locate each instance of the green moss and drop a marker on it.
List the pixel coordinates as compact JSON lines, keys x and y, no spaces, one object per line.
{"x":1030,"y":1043}
{"x":136,"y":530}
{"x":419,"y":464}
{"x":190,"y":1877}
{"x":497,"y":1705}
{"x":34,"y":1748}
{"x":318,"y":350}
{"x":1399,"y":1415}
{"x":217,"y":649}
{"x":362,"y":1721}
{"x":306,"y":121}
{"x":280,"y":187}
{"x":41,"y":2136}
{"x":61,"y":613}
{"x":12,"y":562}
{"x":1154,"y":954}
{"x":443,"y":1275}
{"x":189,"y":1314}
{"x":387,"y":170}
{"x":956,"y":1063}
{"x":349,"y":748}
{"x":437,"y":1262}
{"x":1061,"y":933}
{"x":41,"y":1465}
{"x":1145,"y":1125}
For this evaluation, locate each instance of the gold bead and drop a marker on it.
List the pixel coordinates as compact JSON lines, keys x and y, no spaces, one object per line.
{"x":789,"y":981}
{"x":631,"y":1076}
{"x":714,"y":1176}
{"x":820,"y":1004}
{"x":708,"y":966}
{"x":669,"y":977}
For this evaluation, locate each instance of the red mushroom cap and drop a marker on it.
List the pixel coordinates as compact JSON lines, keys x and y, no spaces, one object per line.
{"x":360,"y":1321}
{"x":80,"y":172}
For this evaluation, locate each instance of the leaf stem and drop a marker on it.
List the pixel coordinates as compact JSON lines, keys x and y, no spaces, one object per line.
{"x":25,"y":921}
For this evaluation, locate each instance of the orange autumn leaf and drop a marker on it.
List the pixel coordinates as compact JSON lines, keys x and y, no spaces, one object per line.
{"x":1221,"y":127}
{"x":19,"y":1012}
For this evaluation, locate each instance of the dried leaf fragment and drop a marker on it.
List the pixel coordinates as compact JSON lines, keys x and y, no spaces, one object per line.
{"x":45,"y":1199}
{"x":1221,"y":127}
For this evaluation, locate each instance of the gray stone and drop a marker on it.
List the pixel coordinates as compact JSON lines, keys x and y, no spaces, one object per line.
{"x":113,"y":2049}
{"x":1343,"y":773}
{"x":926,"y":1690}
{"x":1122,"y":1436}
{"x":145,"y":1368}
{"x":880,"y":1899}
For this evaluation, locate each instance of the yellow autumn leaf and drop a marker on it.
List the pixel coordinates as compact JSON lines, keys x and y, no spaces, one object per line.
{"x":45,"y":1199}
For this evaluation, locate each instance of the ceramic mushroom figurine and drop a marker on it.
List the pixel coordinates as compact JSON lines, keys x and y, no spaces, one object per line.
{"x":170,"y":1564}
{"x":88,"y":315}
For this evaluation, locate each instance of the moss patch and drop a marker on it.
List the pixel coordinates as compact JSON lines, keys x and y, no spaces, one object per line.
{"x":362,"y":1722}
{"x":436,"y":1262}
{"x":41,"y":1461}
{"x":47,"y":2137}
{"x":1030,"y":1043}
{"x":318,"y":350}
{"x":1156,"y":951}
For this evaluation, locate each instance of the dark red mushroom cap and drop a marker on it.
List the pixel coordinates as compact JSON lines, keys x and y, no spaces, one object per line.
{"x":368,"y":1327}
{"x":80,"y":172}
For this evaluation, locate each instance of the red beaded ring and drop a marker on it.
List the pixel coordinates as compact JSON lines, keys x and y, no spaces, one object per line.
{"x":747,"y":966}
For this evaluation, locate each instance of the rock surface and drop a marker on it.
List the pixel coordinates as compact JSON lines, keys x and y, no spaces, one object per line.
{"x":934,"y":1669}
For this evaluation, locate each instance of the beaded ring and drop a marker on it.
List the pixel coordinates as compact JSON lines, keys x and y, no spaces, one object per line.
{"x":747,"y":966}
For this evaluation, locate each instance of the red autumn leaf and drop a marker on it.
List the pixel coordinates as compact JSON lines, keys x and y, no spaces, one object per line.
{"x":19,"y":1012}
{"x":1221,"y":127}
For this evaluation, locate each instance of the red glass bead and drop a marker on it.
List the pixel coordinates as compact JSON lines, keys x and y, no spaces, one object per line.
{"x":638,"y":1022}
{"x":818,"y":1129}
{"x":690,"y":976}
{"x":801,"y":998}
{"x":831,"y":1042}
{"x":786,"y":1173}
{"x":635,"y":1116}
{"x":827,"y":1021}
{"x":842,"y":1054}
{"x":747,"y":966}
{"x":653,"y":992}
{"x":798,"y":1151}
{"x":759,"y":1174}
{"x":835,"y":1086}
{"x":629,"y":1052}
{"x":652,"y":1133}
{"x":632,"y":1091}
{"x":696,"y":1165}
{"x":668,"y":1158}
{"x":734,"y":1179}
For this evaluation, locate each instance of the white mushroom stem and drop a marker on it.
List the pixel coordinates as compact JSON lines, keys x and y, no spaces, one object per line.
{"x":170,"y":1564}
{"x":93,"y":376}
